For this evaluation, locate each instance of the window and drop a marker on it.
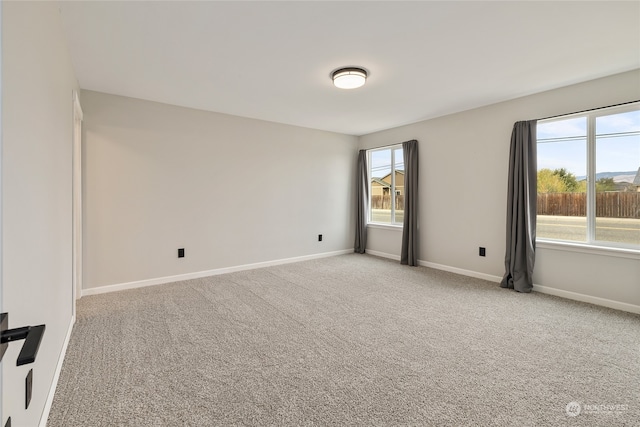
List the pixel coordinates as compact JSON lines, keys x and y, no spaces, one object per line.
{"x":386,"y":185}
{"x":589,"y":177}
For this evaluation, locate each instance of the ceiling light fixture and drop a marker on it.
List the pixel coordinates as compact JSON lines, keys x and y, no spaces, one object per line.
{"x":349,"y":78}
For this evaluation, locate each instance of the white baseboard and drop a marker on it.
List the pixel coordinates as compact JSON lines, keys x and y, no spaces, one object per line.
{"x":383,"y":255}
{"x":622,"y":306}
{"x":470,"y":273}
{"x":542,"y":289}
{"x":56,"y":375}
{"x":536,"y":288}
{"x":443,"y":267}
{"x":199,"y":274}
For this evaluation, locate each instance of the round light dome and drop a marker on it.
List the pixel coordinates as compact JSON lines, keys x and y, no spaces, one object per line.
{"x":349,"y":78}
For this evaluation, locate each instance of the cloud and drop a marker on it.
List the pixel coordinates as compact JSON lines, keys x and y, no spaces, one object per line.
{"x":615,"y":123}
{"x":563,"y":128}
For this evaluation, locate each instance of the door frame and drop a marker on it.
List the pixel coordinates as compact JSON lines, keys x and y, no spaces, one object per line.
{"x":1,"y":239}
{"x":77,"y":203}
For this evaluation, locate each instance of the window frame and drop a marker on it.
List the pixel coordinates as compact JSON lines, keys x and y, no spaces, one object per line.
{"x":592,"y":245}
{"x":392,"y":189}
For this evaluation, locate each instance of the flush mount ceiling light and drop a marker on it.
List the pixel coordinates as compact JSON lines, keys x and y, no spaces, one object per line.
{"x":349,"y":78}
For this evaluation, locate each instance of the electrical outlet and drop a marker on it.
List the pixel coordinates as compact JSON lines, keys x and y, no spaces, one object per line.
{"x":181,"y":253}
{"x":482,"y":251}
{"x":319,"y":237}
{"x":28,"y":383}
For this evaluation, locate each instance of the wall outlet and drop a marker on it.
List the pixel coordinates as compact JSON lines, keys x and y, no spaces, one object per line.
{"x":319,"y":237}
{"x":482,"y":251}
{"x":181,"y":253}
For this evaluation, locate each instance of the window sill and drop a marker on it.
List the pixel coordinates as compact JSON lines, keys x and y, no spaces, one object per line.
{"x":385,"y":226}
{"x":588,"y":249}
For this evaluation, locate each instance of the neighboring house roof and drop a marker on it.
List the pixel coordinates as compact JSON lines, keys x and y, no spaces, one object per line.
{"x":380,"y":182}
{"x":636,"y":180}
{"x":398,"y":171}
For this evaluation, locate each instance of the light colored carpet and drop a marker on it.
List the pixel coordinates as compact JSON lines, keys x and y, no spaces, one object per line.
{"x":347,"y":340}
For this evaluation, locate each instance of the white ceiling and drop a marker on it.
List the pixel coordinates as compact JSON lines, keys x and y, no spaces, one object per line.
{"x":272,"y":60}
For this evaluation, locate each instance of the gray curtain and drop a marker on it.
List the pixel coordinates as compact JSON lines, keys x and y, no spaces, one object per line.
{"x":362,"y":200}
{"x":521,"y":208}
{"x":409,"y":254}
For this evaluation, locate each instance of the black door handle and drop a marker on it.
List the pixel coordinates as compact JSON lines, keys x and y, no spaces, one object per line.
{"x":32,"y":336}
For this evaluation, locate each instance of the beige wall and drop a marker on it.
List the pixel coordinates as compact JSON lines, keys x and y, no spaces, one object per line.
{"x":463,"y":188}
{"x":153,"y":185}
{"x":37,"y":85}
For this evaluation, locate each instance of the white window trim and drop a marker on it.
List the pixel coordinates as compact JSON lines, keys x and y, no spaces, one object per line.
{"x":592,"y":246}
{"x":383,"y":226}
{"x":373,"y":224}
{"x":562,"y":245}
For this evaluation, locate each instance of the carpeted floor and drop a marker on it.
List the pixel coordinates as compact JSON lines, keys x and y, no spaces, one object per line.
{"x":347,"y":340}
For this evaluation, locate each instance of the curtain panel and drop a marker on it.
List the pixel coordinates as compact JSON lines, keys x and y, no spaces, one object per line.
{"x":521,"y":208}
{"x":362,"y":200}
{"x":409,"y":253}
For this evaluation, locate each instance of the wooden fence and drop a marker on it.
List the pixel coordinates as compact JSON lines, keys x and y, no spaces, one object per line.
{"x":610,"y":204}
{"x":384,"y":202}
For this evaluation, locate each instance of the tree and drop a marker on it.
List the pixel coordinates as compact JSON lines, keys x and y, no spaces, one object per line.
{"x":605,"y":184}
{"x":549,"y":182}
{"x":569,"y":180}
{"x":559,"y":181}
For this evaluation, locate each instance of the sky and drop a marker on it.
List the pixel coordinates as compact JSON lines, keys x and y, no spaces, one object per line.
{"x":381,"y":162}
{"x":614,"y":153}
